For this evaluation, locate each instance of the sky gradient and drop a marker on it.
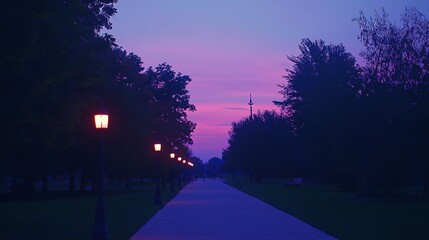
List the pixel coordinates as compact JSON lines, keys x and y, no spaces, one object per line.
{"x":233,"y":48}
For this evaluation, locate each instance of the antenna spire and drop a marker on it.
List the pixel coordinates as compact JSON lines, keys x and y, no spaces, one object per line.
{"x":251,"y":109}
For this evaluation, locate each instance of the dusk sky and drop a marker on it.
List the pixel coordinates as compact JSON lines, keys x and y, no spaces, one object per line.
{"x":233,"y":48}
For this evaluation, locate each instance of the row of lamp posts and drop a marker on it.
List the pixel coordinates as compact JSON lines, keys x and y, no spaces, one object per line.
{"x":158,"y":197}
{"x":99,"y":231}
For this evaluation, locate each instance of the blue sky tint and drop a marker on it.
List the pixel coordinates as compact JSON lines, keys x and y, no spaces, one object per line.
{"x":233,"y":48}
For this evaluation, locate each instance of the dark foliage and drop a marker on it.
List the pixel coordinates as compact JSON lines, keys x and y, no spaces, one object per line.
{"x":363,"y":128}
{"x":57,"y":69}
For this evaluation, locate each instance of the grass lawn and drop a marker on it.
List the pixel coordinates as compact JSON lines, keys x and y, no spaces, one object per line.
{"x":71,"y":217}
{"x":344,"y":214}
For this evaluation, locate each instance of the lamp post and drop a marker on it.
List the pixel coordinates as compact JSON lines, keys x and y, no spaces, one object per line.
{"x":179,"y":179}
{"x":172,"y":172}
{"x":99,"y":231}
{"x":158,"y":199}
{"x":184,"y":172}
{"x":193,"y":177}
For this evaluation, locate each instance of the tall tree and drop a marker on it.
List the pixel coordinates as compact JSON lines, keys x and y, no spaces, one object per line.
{"x":44,"y":44}
{"x":169,"y":103}
{"x":397,"y":89}
{"x":320,"y":95}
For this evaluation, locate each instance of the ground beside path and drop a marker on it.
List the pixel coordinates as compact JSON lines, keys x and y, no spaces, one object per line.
{"x":211,"y":209}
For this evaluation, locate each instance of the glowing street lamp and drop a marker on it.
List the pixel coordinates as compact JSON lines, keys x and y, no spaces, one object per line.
{"x":179,"y":159}
{"x":101,"y":120}
{"x":192,"y":165}
{"x":184,"y":161}
{"x":99,"y":230}
{"x":158,"y":199}
{"x":157,"y":147}
{"x":172,"y":155}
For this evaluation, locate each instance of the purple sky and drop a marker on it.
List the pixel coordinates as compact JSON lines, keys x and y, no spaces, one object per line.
{"x":232,"y":48}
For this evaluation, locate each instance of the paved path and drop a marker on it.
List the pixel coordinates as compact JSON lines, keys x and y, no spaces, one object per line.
{"x":214,"y":210}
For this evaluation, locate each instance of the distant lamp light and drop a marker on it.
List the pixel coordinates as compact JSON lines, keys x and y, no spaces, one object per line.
{"x":157,"y":147}
{"x":190,"y":164}
{"x":184,"y":161}
{"x":172,"y":155}
{"x":101,"y":119}
{"x":179,"y":159}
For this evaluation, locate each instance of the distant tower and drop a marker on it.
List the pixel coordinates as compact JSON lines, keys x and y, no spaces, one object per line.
{"x":251,"y":104}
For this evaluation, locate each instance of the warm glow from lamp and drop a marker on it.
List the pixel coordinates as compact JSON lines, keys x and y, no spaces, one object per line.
{"x":101,"y":121}
{"x":157,"y":147}
{"x":179,"y":159}
{"x":190,"y":164}
{"x":184,"y":161}
{"x":172,"y":155}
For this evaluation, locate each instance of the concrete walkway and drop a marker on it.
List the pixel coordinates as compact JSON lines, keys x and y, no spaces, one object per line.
{"x":214,"y":210}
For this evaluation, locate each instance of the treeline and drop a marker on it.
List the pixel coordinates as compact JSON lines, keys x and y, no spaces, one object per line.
{"x":57,"y":69}
{"x":364,"y":128}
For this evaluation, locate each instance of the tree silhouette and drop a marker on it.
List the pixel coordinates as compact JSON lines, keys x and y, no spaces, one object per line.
{"x":396,"y":89}
{"x":45,"y":41}
{"x":169,"y":100}
{"x":57,"y":69}
{"x":362,"y":128}
{"x":274,"y":156}
{"x":320,"y":92}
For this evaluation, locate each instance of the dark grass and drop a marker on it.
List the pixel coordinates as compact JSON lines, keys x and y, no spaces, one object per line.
{"x":67,"y":216}
{"x":345,"y":215}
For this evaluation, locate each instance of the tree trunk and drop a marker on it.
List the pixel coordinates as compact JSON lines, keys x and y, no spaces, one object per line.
{"x":258,"y":178}
{"x":163,"y":183}
{"x":29,"y":183}
{"x":82,"y":182}
{"x":93,"y":184}
{"x":425,"y":183}
{"x":14,"y":184}
{"x":71,"y":182}
{"x":44,"y":183}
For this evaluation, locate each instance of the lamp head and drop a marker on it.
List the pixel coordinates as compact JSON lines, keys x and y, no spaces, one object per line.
{"x":157,"y":147}
{"x":101,"y":118}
